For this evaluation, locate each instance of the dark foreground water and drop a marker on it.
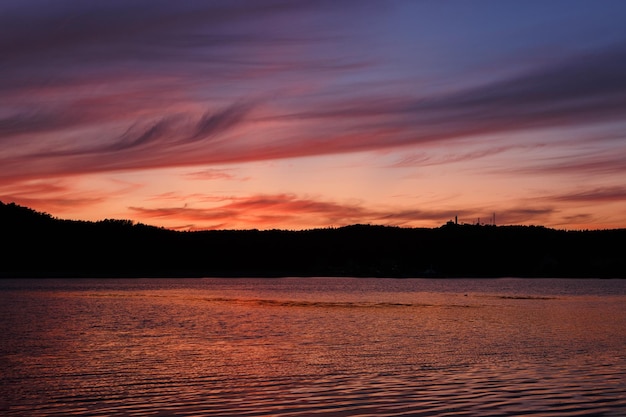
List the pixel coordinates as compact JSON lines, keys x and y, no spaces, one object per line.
{"x":300,"y":347}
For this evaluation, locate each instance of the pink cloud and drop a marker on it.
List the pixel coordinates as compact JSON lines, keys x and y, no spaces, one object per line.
{"x":594,"y":195}
{"x":63,"y":195}
{"x":99,"y":87}
{"x":48,"y":196}
{"x":564,"y":95}
{"x":278,"y":210}
{"x":424,"y":159}
{"x":262,"y":211}
{"x":583,"y":164}
{"x":214,"y":174}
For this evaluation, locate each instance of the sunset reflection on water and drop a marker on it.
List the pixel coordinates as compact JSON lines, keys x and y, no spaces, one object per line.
{"x":303,"y":346}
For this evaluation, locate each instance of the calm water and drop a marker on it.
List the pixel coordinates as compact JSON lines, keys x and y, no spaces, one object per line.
{"x":296,"y":347}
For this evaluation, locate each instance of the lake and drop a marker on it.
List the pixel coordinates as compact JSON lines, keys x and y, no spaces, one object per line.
{"x":312,"y":346}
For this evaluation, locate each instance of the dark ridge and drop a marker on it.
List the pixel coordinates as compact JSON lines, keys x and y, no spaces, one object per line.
{"x":38,"y":245}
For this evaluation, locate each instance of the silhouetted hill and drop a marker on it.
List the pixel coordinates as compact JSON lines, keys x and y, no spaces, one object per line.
{"x":36,"y":244}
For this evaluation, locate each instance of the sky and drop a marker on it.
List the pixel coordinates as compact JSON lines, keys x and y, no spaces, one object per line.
{"x":276,"y":114}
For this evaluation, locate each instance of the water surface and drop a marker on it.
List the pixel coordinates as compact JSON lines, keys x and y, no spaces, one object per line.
{"x":303,"y":346}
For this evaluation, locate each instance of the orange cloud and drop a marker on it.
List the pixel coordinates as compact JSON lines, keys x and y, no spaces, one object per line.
{"x":113,"y":88}
{"x":214,"y":174}
{"x":291,"y":211}
{"x":48,"y":196}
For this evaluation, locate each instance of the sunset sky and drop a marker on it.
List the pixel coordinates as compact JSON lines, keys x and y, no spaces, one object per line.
{"x":305,"y":114}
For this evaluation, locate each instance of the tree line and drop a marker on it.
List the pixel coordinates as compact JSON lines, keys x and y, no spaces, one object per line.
{"x":38,"y":245}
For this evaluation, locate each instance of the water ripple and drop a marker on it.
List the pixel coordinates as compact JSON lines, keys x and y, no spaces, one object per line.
{"x":120,"y":352}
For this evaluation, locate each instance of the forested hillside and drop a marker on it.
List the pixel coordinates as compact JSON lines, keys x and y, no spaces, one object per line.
{"x":36,"y":244}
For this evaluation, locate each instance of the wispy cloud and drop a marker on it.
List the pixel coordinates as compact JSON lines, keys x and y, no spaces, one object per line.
{"x":583,"y":164}
{"x":580,"y":90}
{"x":108,"y":34}
{"x":215,"y":174}
{"x":212,"y":124}
{"x":269,"y":210}
{"x":52,"y":195}
{"x":63,"y":195}
{"x":263,"y":211}
{"x":425,"y":159}
{"x":583,"y":90}
{"x":540,"y":214}
{"x":118,"y":86}
{"x":594,"y":195}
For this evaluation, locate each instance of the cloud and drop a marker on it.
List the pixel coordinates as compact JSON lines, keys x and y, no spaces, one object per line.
{"x":49,"y":195}
{"x":29,"y":122}
{"x":424,"y":159}
{"x":132,"y":139}
{"x":506,"y":214}
{"x":524,"y":215}
{"x":118,"y":29}
{"x":65,"y":195}
{"x":291,"y":210}
{"x":63,"y":44}
{"x":579,"y":91}
{"x":211,"y":124}
{"x":214,"y":174}
{"x":594,"y":195}
{"x":168,"y":141}
{"x":583,"y":89}
{"x":103,"y":86}
{"x":585,"y":164}
{"x":584,"y":218}
{"x":65,"y":112}
{"x":262,"y":210}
